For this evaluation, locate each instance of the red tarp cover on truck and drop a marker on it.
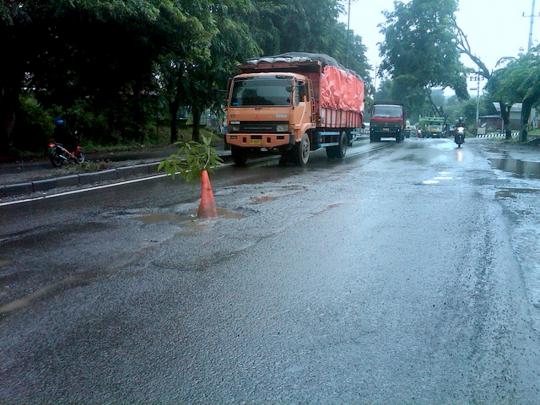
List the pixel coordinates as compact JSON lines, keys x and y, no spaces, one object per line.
{"x":339,"y":88}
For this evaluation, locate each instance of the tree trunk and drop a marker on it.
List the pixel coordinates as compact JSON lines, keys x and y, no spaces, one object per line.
{"x":9,"y":105}
{"x":196,"y":113}
{"x":178,"y":88}
{"x":173,"y":113}
{"x":526,"y":107}
{"x":138,"y":115}
{"x":11,"y":81}
{"x":505,"y":115}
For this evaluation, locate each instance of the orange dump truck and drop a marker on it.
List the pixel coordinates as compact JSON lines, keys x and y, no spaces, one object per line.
{"x":293,"y":103}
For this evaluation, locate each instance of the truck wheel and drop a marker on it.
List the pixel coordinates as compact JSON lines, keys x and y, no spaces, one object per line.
{"x":341,"y":149}
{"x":239,"y":155}
{"x":350,"y":138}
{"x":300,"y":152}
{"x":373,"y":138}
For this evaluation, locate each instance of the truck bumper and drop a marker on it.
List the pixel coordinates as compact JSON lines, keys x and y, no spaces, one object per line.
{"x":386,"y":132}
{"x":268,"y":141}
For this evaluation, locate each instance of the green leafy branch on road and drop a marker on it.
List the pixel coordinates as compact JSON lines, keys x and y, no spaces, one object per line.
{"x":191,"y":159}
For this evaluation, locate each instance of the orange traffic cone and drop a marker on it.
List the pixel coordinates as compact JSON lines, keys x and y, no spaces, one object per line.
{"x":207,"y":206}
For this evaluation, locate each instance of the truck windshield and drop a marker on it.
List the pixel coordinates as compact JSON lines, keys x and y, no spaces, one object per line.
{"x":387,"y":111}
{"x":261,"y":91}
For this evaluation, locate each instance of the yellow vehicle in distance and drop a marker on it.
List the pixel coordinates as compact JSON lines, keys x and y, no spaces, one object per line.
{"x":431,"y":127}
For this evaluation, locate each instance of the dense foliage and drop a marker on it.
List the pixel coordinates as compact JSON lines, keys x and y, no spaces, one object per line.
{"x":518,"y":82}
{"x":422,"y":49}
{"x":420,"y":52}
{"x":116,"y":69}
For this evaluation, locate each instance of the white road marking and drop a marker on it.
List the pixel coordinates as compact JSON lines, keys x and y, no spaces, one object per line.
{"x":84,"y":190}
{"x":101,"y":187}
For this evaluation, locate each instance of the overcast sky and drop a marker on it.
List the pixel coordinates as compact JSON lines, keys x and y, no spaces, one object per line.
{"x":495,"y":28}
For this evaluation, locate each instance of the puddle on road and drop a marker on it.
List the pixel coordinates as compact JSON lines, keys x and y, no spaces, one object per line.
{"x":158,"y":218}
{"x":262,"y":199}
{"x":443,"y":178}
{"x":4,"y":262}
{"x":411,"y":158}
{"x":511,"y":192}
{"x":227,"y":214}
{"x":179,"y":219}
{"x":519,"y":168}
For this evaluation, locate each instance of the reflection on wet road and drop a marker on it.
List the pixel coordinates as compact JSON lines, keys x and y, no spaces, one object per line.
{"x":519,"y":168}
{"x":404,"y":274}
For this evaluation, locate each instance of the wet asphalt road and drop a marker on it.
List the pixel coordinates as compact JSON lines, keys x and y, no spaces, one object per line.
{"x":395,"y":276}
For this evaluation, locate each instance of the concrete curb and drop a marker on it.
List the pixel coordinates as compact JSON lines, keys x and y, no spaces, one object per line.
{"x":84,"y":179}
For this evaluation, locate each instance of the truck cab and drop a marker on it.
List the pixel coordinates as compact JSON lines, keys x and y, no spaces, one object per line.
{"x":268,"y":111}
{"x":387,"y":120}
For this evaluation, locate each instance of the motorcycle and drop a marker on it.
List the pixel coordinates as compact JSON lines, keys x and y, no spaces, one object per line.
{"x":58,"y":154}
{"x":459,"y":136}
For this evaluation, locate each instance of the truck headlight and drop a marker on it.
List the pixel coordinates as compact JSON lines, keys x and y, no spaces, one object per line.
{"x":282,"y":128}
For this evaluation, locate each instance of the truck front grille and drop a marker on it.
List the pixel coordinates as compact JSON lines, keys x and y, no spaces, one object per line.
{"x":261,"y":126}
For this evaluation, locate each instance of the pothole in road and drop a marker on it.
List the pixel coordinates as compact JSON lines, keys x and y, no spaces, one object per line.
{"x":262,"y":199}
{"x":411,"y":158}
{"x":180,"y":219}
{"x":328,"y":208}
{"x":48,"y":291}
{"x":519,"y":168}
{"x":228,"y":214}
{"x":150,"y":219}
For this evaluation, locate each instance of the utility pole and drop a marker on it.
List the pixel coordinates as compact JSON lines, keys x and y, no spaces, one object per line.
{"x":477,"y":79}
{"x":531,"y":24}
{"x":477,"y":98}
{"x":349,"y":34}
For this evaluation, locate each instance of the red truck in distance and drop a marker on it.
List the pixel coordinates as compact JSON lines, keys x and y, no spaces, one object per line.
{"x":387,"y":121}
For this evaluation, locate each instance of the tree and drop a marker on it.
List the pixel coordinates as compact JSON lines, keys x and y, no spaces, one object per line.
{"x":231,"y":45}
{"x":464,"y":48}
{"x":110,"y":66}
{"x":173,"y":66}
{"x":519,"y":81}
{"x":294,"y":25}
{"x":66,"y":51}
{"x":308,"y":26}
{"x":419,"y":51}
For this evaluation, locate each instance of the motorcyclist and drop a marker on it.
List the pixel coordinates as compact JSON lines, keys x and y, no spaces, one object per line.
{"x":63,"y":135}
{"x":459,"y":135}
{"x":460,"y":122}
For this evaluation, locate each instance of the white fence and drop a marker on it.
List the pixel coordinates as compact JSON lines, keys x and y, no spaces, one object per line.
{"x":498,"y":134}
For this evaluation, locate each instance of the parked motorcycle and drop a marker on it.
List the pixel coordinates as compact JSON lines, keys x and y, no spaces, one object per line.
{"x":58,"y":154}
{"x":459,"y":136}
